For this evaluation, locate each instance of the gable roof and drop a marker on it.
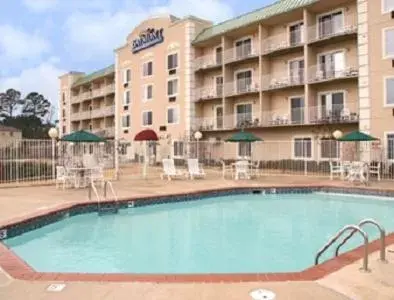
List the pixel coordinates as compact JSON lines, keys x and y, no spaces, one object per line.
{"x":277,"y":8}
{"x":97,"y":74}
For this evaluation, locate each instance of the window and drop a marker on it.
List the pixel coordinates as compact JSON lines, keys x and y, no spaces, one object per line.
{"x":126,"y":98}
{"x":147,"y":118}
{"x":297,"y":110}
{"x":147,"y":92}
{"x":390,"y":146}
{"x":243,"y":48}
{"x":388,"y":43}
{"x":329,"y":149}
{"x":125,"y":121}
{"x":243,"y":115}
{"x":219,"y":55}
{"x":178,"y":148}
{"x":64,"y":98}
{"x":244,"y":149}
{"x":172,"y":61}
{"x":63,"y":113}
{"x":172,"y":87}
{"x":332,"y":65}
{"x":331,"y":24}
{"x":302,"y":148}
{"x":64,"y":129}
{"x":296,"y":71}
{"x":243,"y":81}
{"x":387,"y":6}
{"x":296,"y":34}
{"x":147,"y":69}
{"x":173,"y":115}
{"x":126,"y":76}
{"x":389,"y":91}
{"x":332,"y":105}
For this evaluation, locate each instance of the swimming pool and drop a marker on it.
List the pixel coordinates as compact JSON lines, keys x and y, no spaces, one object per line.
{"x":244,"y":233}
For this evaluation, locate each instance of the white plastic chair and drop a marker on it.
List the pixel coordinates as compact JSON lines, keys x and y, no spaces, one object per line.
{"x":194,"y":169}
{"x":63,"y":177}
{"x":336,"y":168}
{"x":345,"y":114}
{"x":97,"y":175}
{"x":226,"y":168}
{"x":375,"y":169}
{"x":357,"y":171}
{"x":242,"y":169}
{"x":169,"y":169}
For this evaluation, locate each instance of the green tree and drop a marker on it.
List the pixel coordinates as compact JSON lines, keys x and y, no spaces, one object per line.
{"x":10,"y":101}
{"x":36,"y":104}
{"x":32,"y":127}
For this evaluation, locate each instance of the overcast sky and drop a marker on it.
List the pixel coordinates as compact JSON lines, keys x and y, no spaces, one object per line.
{"x":41,"y":39}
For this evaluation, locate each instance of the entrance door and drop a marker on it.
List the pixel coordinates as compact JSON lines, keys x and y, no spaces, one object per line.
{"x":297,"y":110}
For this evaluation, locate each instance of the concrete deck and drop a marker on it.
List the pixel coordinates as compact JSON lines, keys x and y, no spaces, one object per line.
{"x":347,"y":283}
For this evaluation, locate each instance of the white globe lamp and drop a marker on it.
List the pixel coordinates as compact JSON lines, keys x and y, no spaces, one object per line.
{"x":53,"y":133}
{"x":197,"y":136}
{"x":337,"y":134}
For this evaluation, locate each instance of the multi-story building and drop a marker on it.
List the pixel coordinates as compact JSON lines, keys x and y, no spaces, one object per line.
{"x":88,"y":102}
{"x":295,"y":71}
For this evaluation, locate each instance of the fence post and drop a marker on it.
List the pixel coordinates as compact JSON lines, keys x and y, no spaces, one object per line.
{"x":17,"y":162}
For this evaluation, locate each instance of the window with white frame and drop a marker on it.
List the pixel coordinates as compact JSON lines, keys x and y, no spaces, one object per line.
{"x":147,"y":118}
{"x":178,"y":148}
{"x":331,"y":24}
{"x":387,"y":6}
{"x":390,"y":146}
{"x":329,"y":149}
{"x":243,"y":48}
{"x":147,"y":69}
{"x":332,"y":105}
{"x":126,"y":76}
{"x":173,"y":115}
{"x":126,"y":98}
{"x":147,"y":92}
{"x":172,"y":87}
{"x":244,"y":149}
{"x":331,"y":64}
{"x":389,"y":91}
{"x":388,"y":42}
{"x":302,"y":148}
{"x":172,"y":61}
{"x":126,"y":121}
{"x":296,"y":33}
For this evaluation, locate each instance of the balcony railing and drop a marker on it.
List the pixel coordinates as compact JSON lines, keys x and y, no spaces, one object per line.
{"x":333,"y":27}
{"x":314,"y":115}
{"x":283,"y":80}
{"x":283,"y":41}
{"x":207,"y":93}
{"x":207,"y":61}
{"x":321,"y":73}
{"x":240,"y":53}
{"x":241,"y":86}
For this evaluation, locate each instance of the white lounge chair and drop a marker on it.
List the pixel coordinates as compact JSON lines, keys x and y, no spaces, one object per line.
{"x":194,"y":169}
{"x":169,"y":169}
{"x":336,"y":168}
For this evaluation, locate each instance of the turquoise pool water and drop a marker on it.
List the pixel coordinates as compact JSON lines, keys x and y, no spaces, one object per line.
{"x":230,"y":234}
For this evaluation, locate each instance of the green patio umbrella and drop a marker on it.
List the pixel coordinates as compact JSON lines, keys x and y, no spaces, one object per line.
{"x":82,"y":136}
{"x":357,"y":136}
{"x":243,"y":136}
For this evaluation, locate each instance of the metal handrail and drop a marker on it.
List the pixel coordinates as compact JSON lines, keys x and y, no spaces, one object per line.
{"x":109,"y":183}
{"x":382,"y":238}
{"x":93,"y":188}
{"x":338,"y":235}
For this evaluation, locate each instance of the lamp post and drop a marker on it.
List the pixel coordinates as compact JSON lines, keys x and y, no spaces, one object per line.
{"x":337,"y":134}
{"x":53,"y":134}
{"x":197,"y":136}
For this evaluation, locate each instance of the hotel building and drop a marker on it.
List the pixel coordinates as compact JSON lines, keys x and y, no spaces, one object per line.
{"x":293,"y":71}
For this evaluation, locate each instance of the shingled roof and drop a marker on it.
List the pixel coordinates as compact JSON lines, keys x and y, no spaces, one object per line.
{"x":97,"y":74}
{"x":277,"y":8}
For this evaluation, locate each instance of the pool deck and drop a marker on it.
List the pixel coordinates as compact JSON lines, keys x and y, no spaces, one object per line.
{"x":346,"y":283}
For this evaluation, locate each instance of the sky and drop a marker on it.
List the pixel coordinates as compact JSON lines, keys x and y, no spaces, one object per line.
{"x":42,"y":39}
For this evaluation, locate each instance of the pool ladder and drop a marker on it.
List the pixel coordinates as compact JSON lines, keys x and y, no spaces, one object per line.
{"x":354,"y":229}
{"x":104,"y":205}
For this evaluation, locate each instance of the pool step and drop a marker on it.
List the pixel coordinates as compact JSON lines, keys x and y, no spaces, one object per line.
{"x":105,"y":209}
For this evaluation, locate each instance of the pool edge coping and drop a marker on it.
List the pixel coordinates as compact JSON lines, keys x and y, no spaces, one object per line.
{"x":17,"y":268}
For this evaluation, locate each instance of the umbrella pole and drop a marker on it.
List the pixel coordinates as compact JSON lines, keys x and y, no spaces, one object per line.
{"x":144,"y":170}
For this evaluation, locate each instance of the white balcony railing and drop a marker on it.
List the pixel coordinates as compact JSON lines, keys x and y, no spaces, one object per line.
{"x":283,"y":80}
{"x":207,"y":61}
{"x":283,"y":41}
{"x":240,"y":53}
{"x":241,"y":86}
{"x":333,"y":114}
{"x":333,"y":27}
{"x":211,"y":92}
{"x":325,"y":72}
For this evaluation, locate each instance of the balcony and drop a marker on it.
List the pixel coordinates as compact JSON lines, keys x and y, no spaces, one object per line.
{"x":209,"y":93}
{"x":335,"y":28}
{"x":240,"y":53}
{"x":207,"y":62}
{"x":283,"y":43}
{"x":228,"y":122}
{"x":241,"y":87}
{"x":283,"y":80}
{"x":324,"y":73}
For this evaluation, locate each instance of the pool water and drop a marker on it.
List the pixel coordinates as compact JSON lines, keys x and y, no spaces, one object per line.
{"x":230,"y":234}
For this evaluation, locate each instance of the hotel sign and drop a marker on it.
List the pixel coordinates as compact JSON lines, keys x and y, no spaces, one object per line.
{"x":147,"y":39}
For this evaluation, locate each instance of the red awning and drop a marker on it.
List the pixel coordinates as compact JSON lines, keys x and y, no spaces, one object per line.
{"x":146,"y":135}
